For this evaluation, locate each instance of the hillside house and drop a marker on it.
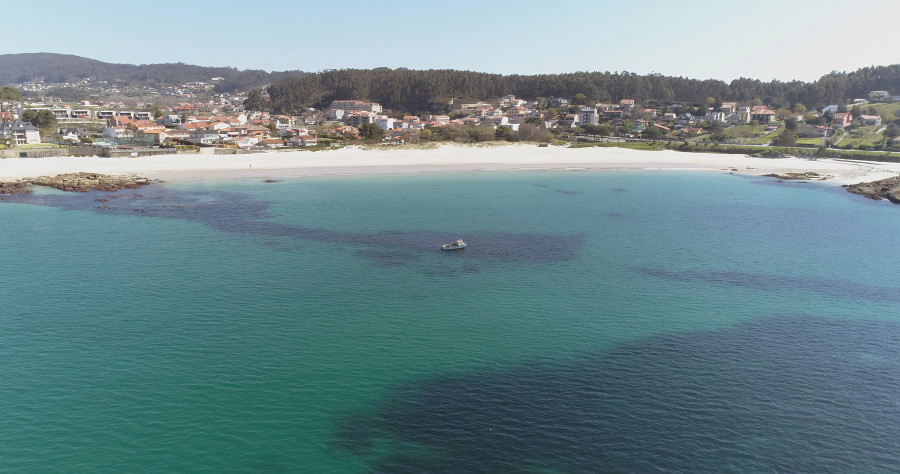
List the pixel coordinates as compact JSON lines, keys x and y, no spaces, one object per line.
{"x":869,"y":120}
{"x":685,"y":119}
{"x":811,"y":131}
{"x":24,"y":133}
{"x":879,"y":96}
{"x":842,"y":120}
{"x":715,"y":117}
{"x":205,"y":136}
{"x":567,"y":121}
{"x":384,"y":122}
{"x":356,"y":105}
{"x":762,"y":114}
{"x":613,"y":114}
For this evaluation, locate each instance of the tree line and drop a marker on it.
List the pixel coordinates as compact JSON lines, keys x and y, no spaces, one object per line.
{"x":430,"y":90}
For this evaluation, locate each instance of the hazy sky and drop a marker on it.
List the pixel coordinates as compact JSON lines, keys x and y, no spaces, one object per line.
{"x":721,"y":39}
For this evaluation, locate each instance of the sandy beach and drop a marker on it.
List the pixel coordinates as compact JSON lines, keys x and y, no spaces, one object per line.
{"x":355,"y":160}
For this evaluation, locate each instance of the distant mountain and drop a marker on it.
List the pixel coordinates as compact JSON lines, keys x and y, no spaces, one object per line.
{"x":59,"y":68}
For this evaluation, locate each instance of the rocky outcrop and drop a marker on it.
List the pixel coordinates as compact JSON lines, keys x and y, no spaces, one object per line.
{"x":15,"y":187}
{"x":879,"y":190}
{"x":79,"y":182}
{"x":807,"y":176}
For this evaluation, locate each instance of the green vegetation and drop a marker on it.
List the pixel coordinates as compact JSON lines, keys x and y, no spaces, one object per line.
{"x":744,"y":132}
{"x":42,"y":119}
{"x":371,"y":132}
{"x":10,"y":94}
{"x":888,"y":112}
{"x":764,"y":138}
{"x":862,"y":137}
{"x":411,"y":90}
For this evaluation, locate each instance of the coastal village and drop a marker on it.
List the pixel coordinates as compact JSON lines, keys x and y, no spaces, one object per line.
{"x":200,"y":118}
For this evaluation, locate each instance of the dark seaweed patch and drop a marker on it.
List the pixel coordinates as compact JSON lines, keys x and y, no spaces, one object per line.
{"x":241,"y":214}
{"x":767,"y":282}
{"x":783,"y":394}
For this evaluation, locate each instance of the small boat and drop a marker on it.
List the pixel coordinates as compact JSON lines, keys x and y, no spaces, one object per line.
{"x":459,"y":244}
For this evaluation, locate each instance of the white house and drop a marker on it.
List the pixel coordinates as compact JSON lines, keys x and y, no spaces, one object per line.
{"x":869,"y":119}
{"x":385,"y":123}
{"x":205,"y":136}
{"x":24,"y":133}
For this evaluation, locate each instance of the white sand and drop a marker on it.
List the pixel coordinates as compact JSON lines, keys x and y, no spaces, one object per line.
{"x":354,"y":160}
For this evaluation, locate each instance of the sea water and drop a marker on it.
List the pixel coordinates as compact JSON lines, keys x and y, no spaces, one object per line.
{"x":598,"y":321}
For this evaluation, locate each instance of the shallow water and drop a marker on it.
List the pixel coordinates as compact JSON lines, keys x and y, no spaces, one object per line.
{"x":598,"y":321}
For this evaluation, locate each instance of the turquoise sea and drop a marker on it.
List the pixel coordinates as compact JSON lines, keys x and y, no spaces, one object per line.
{"x":599,"y":321}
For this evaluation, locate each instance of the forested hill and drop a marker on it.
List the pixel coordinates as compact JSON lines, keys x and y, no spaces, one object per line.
{"x":60,"y":68}
{"x":414,"y":90}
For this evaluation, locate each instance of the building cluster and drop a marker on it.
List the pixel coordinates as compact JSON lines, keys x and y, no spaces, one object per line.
{"x":222,"y":121}
{"x":104,"y":88}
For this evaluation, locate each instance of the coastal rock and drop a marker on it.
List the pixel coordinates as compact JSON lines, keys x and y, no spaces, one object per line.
{"x":771,"y":154}
{"x":807,"y":176}
{"x":878,"y":190}
{"x":15,"y":187}
{"x":79,"y":182}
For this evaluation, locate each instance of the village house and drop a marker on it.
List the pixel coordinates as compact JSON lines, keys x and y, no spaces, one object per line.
{"x":308,"y":141}
{"x":170,"y":120}
{"x":145,"y":126}
{"x":869,"y":120}
{"x":205,"y":136}
{"x":842,"y":120}
{"x":662,"y":128}
{"x":568,"y":121}
{"x":441,"y":119}
{"x":742,"y":115}
{"x":177,"y":135}
{"x":612,"y":114}
{"x":153,"y":137}
{"x":23,"y":133}
{"x":505,"y":101}
{"x":118,"y":131}
{"x":685,"y":119}
{"x":626,"y":105}
{"x":384,"y":122}
{"x":879,"y":96}
{"x":811,"y":131}
{"x":247,"y":142}
{"x":715,"y":117}
{"x":762,"y":114}
{"x":728,"y":108}
{"x":355,"y":105}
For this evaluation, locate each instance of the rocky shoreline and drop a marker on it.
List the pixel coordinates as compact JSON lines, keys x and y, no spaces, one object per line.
{"x":878,"y":190}
{"x":807,"y":176}
{"x":76,"y":182}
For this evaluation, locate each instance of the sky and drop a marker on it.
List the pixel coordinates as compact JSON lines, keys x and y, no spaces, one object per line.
{"x":722,"y":39}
